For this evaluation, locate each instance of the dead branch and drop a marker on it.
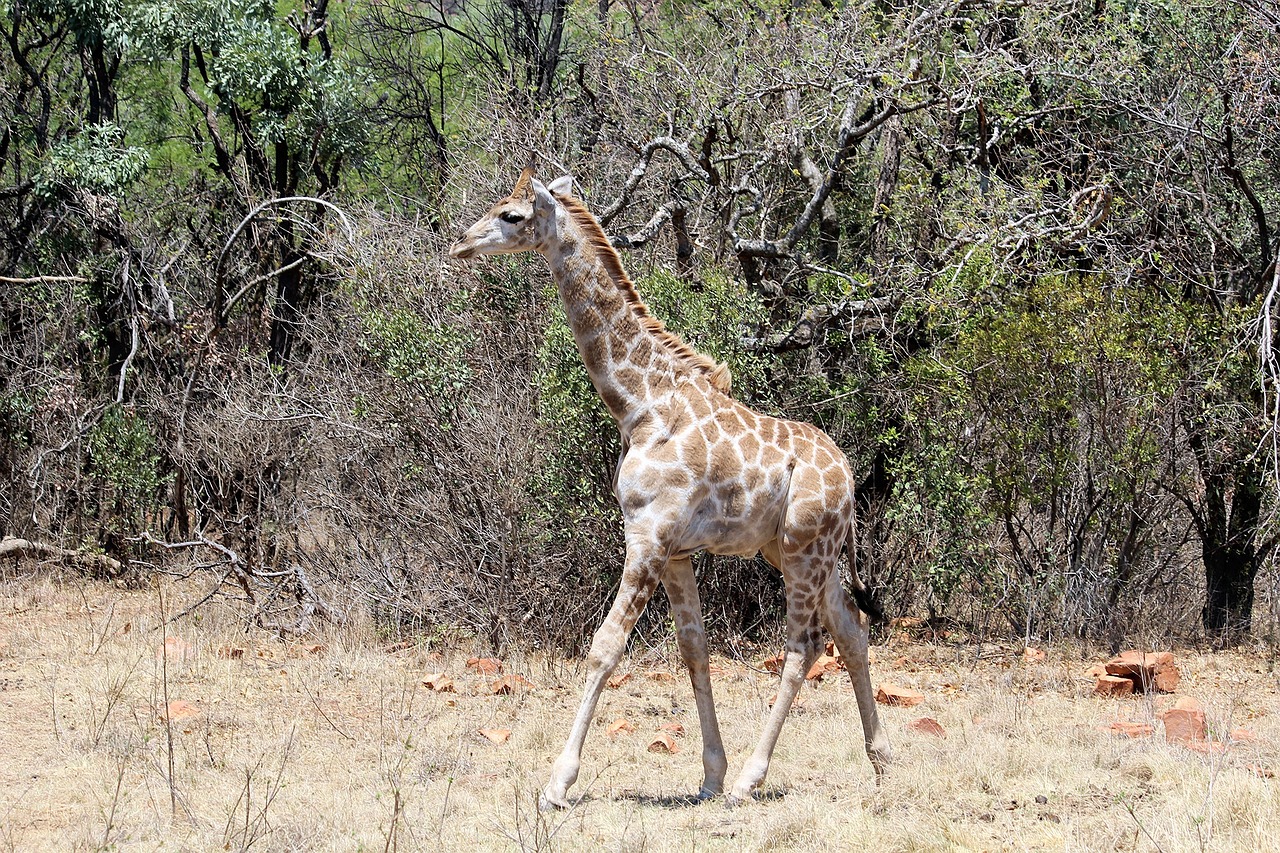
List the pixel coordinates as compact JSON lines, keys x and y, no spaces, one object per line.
{"x":17,"y":548}
{"x":681,"y":152}
{"x":859,"y":317}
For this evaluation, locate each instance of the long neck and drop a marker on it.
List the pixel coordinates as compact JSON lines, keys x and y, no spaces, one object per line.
{"x":622,"y":356}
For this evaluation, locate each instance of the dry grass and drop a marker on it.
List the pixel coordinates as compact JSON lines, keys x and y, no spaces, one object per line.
{"x":343,"y":749}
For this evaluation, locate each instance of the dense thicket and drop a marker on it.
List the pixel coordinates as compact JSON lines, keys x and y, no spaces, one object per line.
{"x":1018,"y":258}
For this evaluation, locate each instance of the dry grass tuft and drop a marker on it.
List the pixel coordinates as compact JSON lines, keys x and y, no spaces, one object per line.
{"x":341,"y":747}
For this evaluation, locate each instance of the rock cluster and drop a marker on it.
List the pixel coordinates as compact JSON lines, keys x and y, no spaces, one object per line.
{"x":1138,"y":672}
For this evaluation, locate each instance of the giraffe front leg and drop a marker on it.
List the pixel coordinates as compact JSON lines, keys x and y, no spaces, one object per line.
{"x":644,"y":566}
{"x":691,"y":635}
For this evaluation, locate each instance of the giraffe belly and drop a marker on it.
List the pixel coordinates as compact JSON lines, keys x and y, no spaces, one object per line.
{"x":740,"y":536}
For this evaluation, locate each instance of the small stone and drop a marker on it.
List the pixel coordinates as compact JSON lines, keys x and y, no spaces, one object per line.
{"x":485,"y":666}
{"x":179,"y":710}
{"x":1184,"y":726}
{"x":664,"y":743}
{"x":927,"y":726}
{"x":174,"y":648}
{"x":509,"y":684}
{"x":1041,"y":799}
{"x":439,"y":682}
{"x":1113,"y":685}
{"x":1206,"y":747}
{"x":823,"y":665}
{"x":620,"y":726}
{"x":496,"y":735}
{"x":1128,"y":729}
{"x":893,"y":694}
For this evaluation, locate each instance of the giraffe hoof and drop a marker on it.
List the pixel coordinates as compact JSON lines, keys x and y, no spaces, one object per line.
{"x":705,"y":794}
{"x":733,"y":800}
{"x":548,"y":802}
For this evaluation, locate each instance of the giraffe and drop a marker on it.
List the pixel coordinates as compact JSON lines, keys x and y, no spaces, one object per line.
{"x":698,"y":471}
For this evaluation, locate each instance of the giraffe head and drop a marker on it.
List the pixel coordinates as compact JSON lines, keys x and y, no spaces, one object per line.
{"x":521,"y":222}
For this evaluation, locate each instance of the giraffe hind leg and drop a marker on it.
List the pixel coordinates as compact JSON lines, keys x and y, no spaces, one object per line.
{"x":803,"y":643}
{"x":851,"y":636}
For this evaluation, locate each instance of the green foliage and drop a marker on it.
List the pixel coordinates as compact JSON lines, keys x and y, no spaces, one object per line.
{"x":95,"y":160}
{"x":123,"y":457}
{"x":413,"y":350}
{"x":711,"y":314}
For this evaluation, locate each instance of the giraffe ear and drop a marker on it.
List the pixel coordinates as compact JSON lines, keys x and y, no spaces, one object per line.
{"x":562,"y":185}
{"x":542,"y":197}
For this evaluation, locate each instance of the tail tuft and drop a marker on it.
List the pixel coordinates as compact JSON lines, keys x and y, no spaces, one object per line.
{"x":867,"y":604}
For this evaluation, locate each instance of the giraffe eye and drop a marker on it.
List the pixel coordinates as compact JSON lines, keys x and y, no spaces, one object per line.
{"x":511,"y":216}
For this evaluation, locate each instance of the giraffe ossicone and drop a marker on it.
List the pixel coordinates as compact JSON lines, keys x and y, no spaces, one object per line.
{"x":698,"y":471}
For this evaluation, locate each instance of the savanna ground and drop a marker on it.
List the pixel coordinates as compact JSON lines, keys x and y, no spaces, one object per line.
{"x":331,"y":742}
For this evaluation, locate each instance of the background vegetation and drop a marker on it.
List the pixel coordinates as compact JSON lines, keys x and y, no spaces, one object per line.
{"x":1018,"y":258}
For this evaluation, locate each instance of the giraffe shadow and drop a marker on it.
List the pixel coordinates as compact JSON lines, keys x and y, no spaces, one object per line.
{"x":685,"y":801}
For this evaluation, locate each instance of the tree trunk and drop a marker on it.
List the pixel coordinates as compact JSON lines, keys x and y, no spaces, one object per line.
{"x":1230,"y":551}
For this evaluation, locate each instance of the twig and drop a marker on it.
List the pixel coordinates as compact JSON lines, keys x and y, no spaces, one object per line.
{"x":219,"y":309}
{"x":40,"y":279}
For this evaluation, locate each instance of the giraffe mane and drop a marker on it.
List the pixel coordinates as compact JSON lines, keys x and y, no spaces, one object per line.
{"x":717,"y":373}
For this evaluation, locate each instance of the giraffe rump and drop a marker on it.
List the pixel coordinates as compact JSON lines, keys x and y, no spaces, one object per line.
{"x":716,"y":372}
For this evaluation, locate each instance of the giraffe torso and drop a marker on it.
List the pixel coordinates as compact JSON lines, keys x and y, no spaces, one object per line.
{"x":704,"y":472}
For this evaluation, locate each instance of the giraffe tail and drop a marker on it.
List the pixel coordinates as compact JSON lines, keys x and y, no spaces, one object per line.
{"x":861,"y":594}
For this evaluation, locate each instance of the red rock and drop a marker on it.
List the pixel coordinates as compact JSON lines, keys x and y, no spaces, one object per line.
{"x":1128,"y":729}
{"x":664,"y":743}
{"x":1096,"y":671}
{"x":439,"y":682}
{"x":179,"y":710}
{"x":509,"y":684}
{"x":174,"y":648}
{"x":1030,"y":655}
{"x":775,"y":663}
{"x":485,"y":666}
{"x":496,"y":735}
{"x":616,"y":681}
{"x":893,"y":694}
{"x":1155,"y":670}
{"x":660,"y":676}
{"x":823,"y":665}
{"x":316,"y":649}
{"x":231,"y":652}
{"x":1260,"y":771}
{"x":620,"y":726}
{"x":1207,"y":747}
{"x":674,"y":729}
{"x":1242,"y":735}
{"x":1184,"y":726}
{"x":1113,"y":685}
{"x":927,"y":726}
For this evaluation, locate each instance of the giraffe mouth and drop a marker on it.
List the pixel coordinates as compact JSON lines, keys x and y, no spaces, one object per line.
{"x":461,"y":251}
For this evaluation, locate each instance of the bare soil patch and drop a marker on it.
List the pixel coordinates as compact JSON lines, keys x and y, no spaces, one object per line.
{"x":117,"y":732}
